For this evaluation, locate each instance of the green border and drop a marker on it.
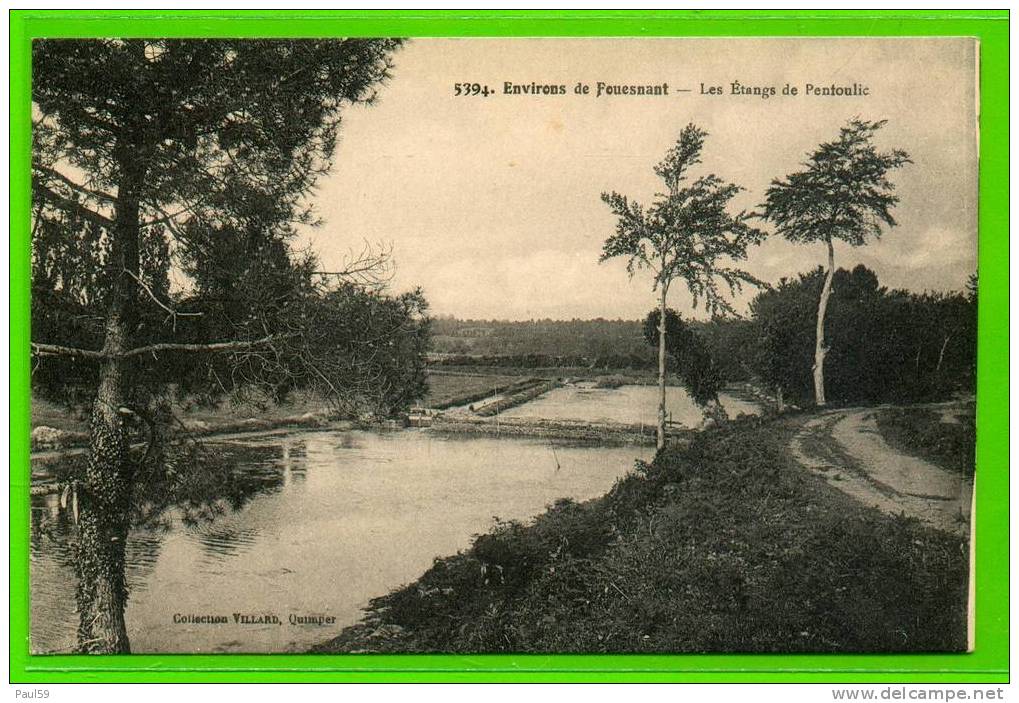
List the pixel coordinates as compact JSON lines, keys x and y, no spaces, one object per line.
{"x":988,"y":663}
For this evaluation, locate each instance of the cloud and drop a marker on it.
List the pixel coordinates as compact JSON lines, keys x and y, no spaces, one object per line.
{"x":492,"y":204}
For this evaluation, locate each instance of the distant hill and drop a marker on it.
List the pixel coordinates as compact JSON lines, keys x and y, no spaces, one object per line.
{"x":598,"y":343}
{"x":587,"y":338}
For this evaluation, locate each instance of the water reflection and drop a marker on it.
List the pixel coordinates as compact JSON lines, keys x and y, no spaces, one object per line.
{"x":311,"y":523}
{"x":195,"y":502}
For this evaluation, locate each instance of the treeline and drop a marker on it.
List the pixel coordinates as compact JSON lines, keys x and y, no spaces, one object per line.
{"x":547,"y":361}
{"x":586,"y":339}
{"x":884,"y":344}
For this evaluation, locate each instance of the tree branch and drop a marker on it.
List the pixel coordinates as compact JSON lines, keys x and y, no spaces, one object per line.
{"x":168,"y":219}
{"x":57,"y":350}
{"x":53,"y":173}
{"x":68,"y":205}
{"x":235,"y":345}
{"x":372,"y":267}
{"x":171,"y":312}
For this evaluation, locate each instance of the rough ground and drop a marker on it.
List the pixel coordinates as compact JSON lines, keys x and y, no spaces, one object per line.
{"x":846,"y":448}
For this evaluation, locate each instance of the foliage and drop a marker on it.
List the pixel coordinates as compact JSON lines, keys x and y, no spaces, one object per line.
{"x":230,"y":131}
{"x":696,"y":368}
{"x":726,"y":339}
{"x":687,"y":233}
{"x":784,"y":321}
{"x":373,"y":345}
{"x":220,"y":143}
{"x":926,"y":433}
{"x":724,"y":546}
{"x":598,"y":343}
{"x":147,"y":154}
{"x":843,"y":192}
{"x":885,"y":344}
{"x":595,"y":341}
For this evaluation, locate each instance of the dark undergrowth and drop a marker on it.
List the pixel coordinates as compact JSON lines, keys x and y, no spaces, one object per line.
{"x":726,"y":546}
{"x":923,"y":432}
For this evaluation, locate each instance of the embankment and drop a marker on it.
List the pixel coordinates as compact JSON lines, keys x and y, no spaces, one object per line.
{"x":48,"y":441}
{"x":521,"y":395}
{"x":580,"y":430}
{"x":487,"y":391}
{"x":45,"y":456}
{"x":725,"y":545}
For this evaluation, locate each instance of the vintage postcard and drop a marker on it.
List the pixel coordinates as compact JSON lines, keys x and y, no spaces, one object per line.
{"x":503,"y":345}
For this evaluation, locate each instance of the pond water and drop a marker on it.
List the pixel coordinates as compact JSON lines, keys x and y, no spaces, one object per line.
{"x":311,"y":524}
{"x":629,"y":404}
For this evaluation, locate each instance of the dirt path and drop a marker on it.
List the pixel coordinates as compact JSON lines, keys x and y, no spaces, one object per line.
{"x":846,"y":448}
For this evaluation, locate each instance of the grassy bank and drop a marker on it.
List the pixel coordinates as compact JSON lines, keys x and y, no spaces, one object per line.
{"x":629,"y":376}
{"x":518,"y":396}
{"x":723,"y":546}
{"x":946,"y":439}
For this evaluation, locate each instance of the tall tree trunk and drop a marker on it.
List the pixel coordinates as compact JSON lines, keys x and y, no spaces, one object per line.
{"x":104,"y":507}
{"x":820,"y":350}
{"x":661,"y":368}
{"x":105,"y":492}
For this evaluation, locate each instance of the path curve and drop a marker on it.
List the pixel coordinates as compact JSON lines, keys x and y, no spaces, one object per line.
{"x":846,"y":448}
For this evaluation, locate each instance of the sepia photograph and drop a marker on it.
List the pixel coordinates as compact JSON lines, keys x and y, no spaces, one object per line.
{"x":503,"y":345}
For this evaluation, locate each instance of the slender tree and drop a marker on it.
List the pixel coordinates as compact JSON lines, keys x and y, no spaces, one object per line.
{"x":686,"y":233}
{"x":138,"y":143}
{"x":843,"y":192}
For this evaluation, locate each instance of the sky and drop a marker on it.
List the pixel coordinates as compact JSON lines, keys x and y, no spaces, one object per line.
{"x":492,"y":204}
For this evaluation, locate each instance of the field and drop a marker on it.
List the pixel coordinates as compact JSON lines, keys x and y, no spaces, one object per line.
{"x":446,"y":389}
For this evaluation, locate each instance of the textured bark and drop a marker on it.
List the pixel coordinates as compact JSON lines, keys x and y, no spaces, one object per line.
{"x":103,"y":522}
{"x":820,"y":350}
{"x":105,"y":492}
{"x":661,"y":369}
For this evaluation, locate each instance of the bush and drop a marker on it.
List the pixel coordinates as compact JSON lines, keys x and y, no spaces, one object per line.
{"x":923,"y":433}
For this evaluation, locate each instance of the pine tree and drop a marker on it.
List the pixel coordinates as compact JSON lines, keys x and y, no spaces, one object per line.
{"x":137,"y":144}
